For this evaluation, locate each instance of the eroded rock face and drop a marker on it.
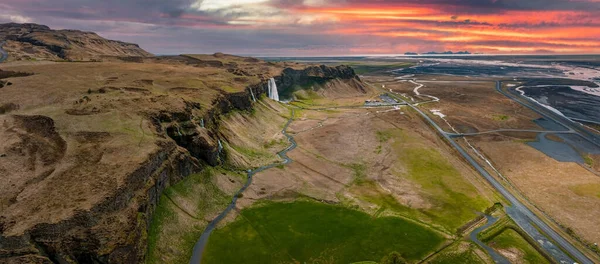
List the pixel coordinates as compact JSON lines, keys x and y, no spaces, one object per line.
{"x":292,"y":80}
{"x":33,"y":41}
{"x":111,"y":231}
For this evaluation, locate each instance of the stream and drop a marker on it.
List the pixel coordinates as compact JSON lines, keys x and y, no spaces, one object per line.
{"x":203,"y":240}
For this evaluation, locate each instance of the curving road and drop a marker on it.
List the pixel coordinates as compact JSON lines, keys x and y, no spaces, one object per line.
{"x":3,"y":53}
{"x":525,"y":218}
{"x":495,"y":256}
{"x":203,"y":240}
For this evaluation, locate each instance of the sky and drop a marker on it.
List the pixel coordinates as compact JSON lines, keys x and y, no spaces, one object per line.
{"x":326,"y":27}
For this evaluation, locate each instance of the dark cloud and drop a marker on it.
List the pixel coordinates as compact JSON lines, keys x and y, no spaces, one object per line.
{"x":133,"y":9}
{"x":490,"y":6}
{"x":173,"y":26}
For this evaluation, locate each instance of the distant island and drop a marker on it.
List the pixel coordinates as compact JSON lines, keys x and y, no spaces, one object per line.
{"x":438,"y":53}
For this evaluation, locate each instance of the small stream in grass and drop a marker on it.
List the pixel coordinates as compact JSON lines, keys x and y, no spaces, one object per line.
{"x":203,"y":240}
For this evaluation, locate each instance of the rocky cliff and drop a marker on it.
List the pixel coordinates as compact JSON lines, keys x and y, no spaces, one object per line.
{"x":39,"y":42}
{"x":316,"y":77}
{"x":83,"y":179}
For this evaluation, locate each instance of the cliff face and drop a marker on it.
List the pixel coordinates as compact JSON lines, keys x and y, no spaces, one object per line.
{"x":126,"y":141}
{"x":316,"y":78}
{"x":39,"y":42}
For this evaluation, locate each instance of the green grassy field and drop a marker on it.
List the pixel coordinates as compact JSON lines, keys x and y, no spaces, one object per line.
{"x":467,"y":256}
{"x":439,"y":182}
{"x":312,"y":232}
{"x":448,"y":189}
{"x":511,"y":239}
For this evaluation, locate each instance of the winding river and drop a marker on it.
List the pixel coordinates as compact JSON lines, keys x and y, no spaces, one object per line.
{"x":201,"y":243}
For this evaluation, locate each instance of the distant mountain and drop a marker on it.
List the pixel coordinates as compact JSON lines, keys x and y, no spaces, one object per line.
{"x":39,"y":42}
{"x":411,"y":53}
{"x":447,"y":53}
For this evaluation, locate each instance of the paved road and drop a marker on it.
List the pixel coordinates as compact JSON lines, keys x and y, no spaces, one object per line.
{"x":203,"y":240}
{"x":495,"y":256}
{"x":3,"y":53}
{"x":549,"y":115}
{"x":510,"y":130}
{"x":524,"y":217}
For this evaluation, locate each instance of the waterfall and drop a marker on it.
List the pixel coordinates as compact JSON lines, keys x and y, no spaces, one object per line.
{"x":202,"y":122}
{"x":252,"y":93}
{"x":273,"y":90}
{"x":219,"y":150}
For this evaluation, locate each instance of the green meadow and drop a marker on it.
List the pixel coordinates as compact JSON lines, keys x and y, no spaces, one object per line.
{"x":304,"y":231}
{"x":509,"y":238}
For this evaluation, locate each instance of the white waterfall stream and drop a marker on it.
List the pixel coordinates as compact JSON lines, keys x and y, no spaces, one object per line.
{"x":273,"y":94}
{"x":252,"y":93}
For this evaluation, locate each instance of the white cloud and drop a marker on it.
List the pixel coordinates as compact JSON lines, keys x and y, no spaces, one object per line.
{"x":15,"y":18}
{"x":315,"y":2}
{"x":260,"y":12}
{"x":213,"y":5}
{"x":7,"y":14}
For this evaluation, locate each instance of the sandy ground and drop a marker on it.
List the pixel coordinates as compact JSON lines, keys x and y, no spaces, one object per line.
{"x":563,"y":190}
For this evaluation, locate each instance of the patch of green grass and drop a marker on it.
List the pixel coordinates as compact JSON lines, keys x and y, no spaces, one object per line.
{"x":500,"y":117}
{"x":359,"y":171}
{"x":173,"y":232}
{"x":509,"y":238}
{"x":252,"y":153}
{"x":445,"y":186}
{"x":385,"y":200}
{"x":440,"y":184}
{"x":588,"y":160}
{"x":311,"y":232}
{"x":589,"y":190}
{"x":384,"y":136}
{"x":307,"y":95}
{"x":467,"y":256}
{"x":525,"y":141}
{"x":275,"y":142}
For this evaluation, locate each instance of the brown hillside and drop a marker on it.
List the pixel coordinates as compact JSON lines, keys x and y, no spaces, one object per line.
{"x":39,"y":42}
{"x":88,"y":148}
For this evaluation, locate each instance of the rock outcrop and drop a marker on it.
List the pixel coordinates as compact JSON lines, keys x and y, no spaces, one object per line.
{"x":39,"y":42}
{"x":316,"y":77}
